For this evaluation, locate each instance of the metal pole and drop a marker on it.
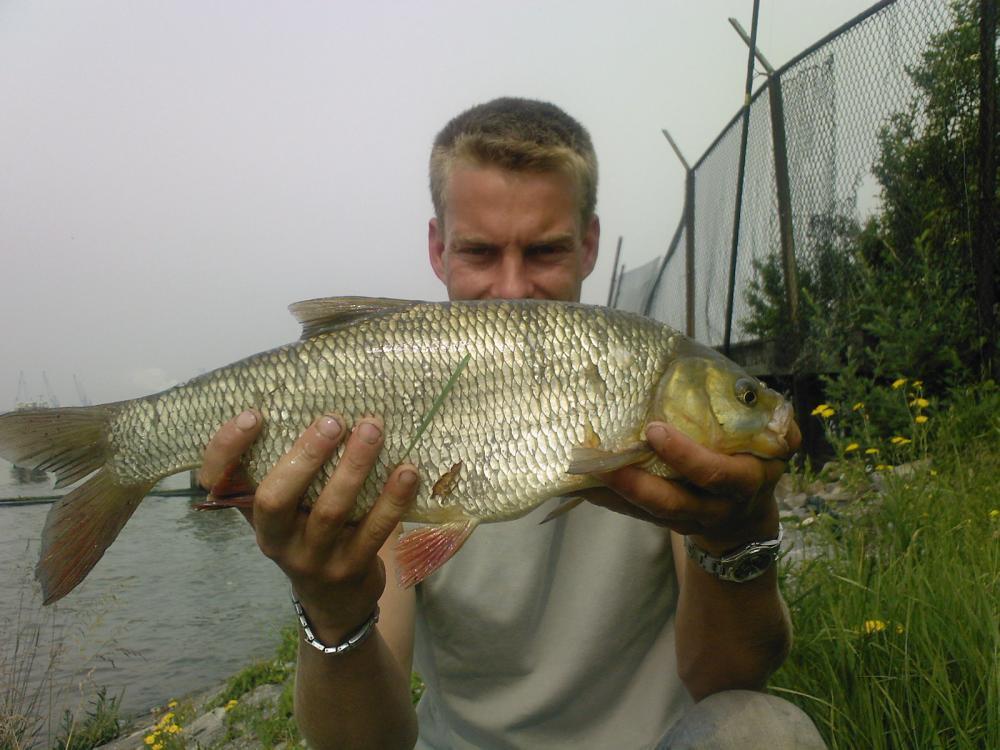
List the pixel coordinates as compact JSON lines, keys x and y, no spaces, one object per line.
{"x":782,"y":185}
{"x":739,"y":181}
{"x":688,"y":222}
{"x":618,"y":286}
{"x":614,"y":271}
{"x":689,"y":260}
{"x":985,"y":241}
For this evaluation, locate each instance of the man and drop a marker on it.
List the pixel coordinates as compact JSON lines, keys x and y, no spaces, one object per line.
{"x":567,"y":634}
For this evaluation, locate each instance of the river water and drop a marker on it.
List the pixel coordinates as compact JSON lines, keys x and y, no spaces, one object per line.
{"x":182,"y":600}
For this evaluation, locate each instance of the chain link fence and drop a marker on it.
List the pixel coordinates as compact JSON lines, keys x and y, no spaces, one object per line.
{"x":836,"y":97}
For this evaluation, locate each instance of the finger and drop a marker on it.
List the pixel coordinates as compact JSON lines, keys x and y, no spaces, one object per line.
{"x":357,"y":461}
{"x":392,"y":505}
{"x":279,"y":495}
{"x":665,"y":500}
{"x":608,"y":498}
{"x":739,"y":476}
{"x":227,"y":445}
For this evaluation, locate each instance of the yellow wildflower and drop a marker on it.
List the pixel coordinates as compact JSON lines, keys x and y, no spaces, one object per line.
{"x":232,"y":704}
{"x":173,"y":729}
{"x":994,"y":514}
{"x":920,"y":403}
{"x":900,"y":629}
{"x":167,"y":717}
{"x":827,"y":413}
{"x":158,"y":746}
{"x":150,"y":739}
{"x":874,"y":626}
{"x":920,"y":418}
{"x":851,"y":448}
{"x":933,"y":472}
{"x":882,"y":467}
{"x":820,"y":409}
{"x":172,"y":704}
{"x":858,"y":406}
{"x":918,"y":383}
{"x":898,"y":383}
{"x":900,"y":440}
{"x":871,"y":451}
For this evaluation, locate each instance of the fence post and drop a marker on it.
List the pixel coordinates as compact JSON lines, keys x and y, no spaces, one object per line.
{"x":739,"y":182}
{"x":985,"y":237}
{"x":785,"y":225}
{"x":689,"y":260}
{"x":614,"y":271}
{"x":688,"y":223}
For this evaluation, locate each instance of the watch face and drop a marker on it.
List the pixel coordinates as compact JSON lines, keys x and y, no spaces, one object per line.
{"x":753,"y":565}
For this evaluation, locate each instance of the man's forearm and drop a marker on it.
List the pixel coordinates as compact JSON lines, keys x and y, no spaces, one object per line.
{"x":729,"y":635}
{"x":360,"y":699}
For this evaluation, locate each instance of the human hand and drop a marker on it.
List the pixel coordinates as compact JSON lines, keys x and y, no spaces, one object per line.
{"x":333,"y":565}
{"x":724,"y":501}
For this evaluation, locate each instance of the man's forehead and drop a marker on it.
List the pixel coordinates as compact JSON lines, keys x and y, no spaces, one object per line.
{"x":472,"y":237}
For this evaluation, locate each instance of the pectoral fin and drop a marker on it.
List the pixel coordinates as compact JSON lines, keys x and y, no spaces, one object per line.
{"x":596,"y":461}
{"x":422,"y":551}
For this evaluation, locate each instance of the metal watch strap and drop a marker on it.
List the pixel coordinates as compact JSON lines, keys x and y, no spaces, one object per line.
{"x":742,"y":564}
{"x":354,"y":640}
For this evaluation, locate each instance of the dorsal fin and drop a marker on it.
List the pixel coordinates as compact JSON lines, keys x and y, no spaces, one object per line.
{"x":324,"y":314}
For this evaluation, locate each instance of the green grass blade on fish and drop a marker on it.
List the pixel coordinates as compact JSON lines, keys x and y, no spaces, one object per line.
{"x":425,"y":422}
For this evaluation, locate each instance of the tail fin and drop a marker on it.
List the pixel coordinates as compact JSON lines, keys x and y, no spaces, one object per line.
{"x":72,"y":443}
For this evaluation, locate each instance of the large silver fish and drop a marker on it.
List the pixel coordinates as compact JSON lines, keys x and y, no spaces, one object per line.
{"x":526,"y":399}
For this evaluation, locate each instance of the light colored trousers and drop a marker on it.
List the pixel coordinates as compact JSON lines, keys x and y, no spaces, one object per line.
{"x":743,"y":720}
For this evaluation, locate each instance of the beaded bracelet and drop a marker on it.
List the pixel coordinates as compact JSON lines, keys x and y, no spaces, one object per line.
{"x":352,"y":641}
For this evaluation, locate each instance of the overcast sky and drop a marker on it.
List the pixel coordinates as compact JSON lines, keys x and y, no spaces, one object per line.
{"x":174,"y":174}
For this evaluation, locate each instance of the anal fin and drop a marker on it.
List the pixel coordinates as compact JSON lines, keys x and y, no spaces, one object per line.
{"x":422,"y":551}
{"x":234,"y":489}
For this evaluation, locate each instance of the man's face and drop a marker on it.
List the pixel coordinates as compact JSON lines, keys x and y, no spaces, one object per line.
{"x":511,"y":235}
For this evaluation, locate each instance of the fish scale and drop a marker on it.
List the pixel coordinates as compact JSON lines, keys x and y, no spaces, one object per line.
{"x":536,"y":383}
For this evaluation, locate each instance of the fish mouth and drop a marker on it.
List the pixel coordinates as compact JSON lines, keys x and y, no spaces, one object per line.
{"x":772,"y":441}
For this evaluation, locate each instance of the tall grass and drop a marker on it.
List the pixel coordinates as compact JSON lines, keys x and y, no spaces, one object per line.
{"x":896,"y":615}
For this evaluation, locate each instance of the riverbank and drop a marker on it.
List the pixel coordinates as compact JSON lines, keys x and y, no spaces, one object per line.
{"x":252,"y":711}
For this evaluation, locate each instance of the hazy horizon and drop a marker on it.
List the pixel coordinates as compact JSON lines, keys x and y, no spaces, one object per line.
{"x":172,"y":176}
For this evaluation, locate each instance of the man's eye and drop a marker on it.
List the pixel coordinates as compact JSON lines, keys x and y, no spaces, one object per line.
{"x":546,"y":251}
{"x":476,"y":251}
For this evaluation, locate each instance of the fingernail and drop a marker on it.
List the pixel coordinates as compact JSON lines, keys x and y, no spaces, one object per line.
{"x":657,"y":433}
{"x":329,"y":427}
{"x":407,"y":478}
{"x":369,"y":432}
{"x":246,"y":421}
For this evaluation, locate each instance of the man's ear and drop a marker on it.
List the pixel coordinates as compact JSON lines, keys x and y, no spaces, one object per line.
{"x":591,"y":239}
{"x":435,"y":247}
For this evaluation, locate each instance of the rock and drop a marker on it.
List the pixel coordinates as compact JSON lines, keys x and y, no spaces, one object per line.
{"x":262,"y":696}
{"x":207,"y":729}
{"x":794,"y":501}
{"x":133,"y":741}
{"x":784,"y":487}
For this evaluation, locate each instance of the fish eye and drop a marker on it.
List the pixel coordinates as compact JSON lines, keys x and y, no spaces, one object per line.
{"x":746,"y":391}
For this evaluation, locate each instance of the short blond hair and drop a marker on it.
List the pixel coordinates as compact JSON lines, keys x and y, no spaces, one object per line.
{"x":522,"y":135}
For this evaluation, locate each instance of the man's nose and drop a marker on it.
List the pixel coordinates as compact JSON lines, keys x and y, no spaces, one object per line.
{"x":512,"y":280}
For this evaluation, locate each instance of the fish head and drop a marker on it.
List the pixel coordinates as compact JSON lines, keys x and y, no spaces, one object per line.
{"x":715,"y":402}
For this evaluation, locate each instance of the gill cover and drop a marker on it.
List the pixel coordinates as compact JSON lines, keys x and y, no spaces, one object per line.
{"x":715,"y":402}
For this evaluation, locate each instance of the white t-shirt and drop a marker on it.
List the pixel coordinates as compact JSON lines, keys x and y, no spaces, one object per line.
{"x":551,"y":636}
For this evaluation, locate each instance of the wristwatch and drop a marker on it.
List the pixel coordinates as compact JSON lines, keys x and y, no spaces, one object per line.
{"x":742,"y":564}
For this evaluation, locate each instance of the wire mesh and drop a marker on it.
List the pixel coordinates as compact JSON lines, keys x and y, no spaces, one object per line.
{"x":837,"y":96}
